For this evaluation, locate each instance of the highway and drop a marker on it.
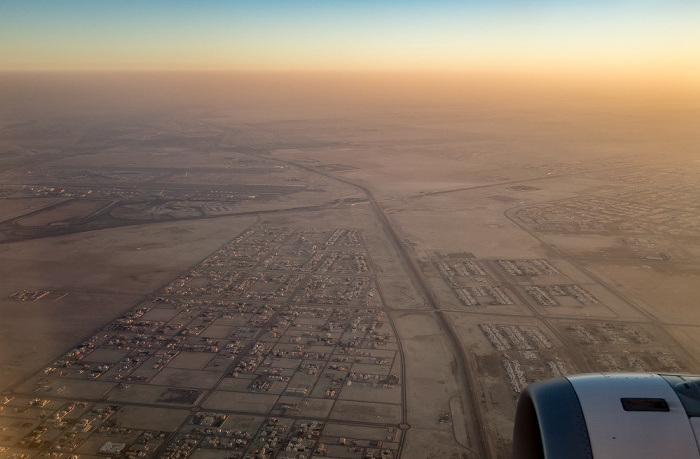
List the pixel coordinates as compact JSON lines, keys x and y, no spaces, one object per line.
{"x":482,"y":446}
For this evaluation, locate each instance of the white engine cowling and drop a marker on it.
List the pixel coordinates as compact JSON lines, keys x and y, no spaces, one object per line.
{"x":609,"y":415}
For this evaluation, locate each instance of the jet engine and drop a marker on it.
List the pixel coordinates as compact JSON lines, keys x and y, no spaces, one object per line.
{"x":609,"y":415}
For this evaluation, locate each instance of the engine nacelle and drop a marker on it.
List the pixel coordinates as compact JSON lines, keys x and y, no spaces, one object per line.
{"x":609,"y":415}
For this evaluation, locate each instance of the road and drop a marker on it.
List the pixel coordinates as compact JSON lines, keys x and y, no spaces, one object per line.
{"x":481,"y":445}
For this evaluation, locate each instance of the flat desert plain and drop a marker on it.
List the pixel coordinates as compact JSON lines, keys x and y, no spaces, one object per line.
{"x":294,"y":280}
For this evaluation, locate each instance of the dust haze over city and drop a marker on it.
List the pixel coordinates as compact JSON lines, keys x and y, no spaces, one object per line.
{"x":350,"y":229}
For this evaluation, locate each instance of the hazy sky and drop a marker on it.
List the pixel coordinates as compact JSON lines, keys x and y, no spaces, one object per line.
{"x":641,"y":37}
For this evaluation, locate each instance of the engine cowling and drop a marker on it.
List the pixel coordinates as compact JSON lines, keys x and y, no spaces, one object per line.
{"x":609,"y":415}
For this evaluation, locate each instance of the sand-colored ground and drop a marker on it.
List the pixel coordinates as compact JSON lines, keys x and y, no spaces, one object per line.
{"x":665,"y":291}
{"x":446,"y":185}
{"x":101,"y":274}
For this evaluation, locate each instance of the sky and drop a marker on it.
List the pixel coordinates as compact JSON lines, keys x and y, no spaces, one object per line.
{"x":612,"y":37}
